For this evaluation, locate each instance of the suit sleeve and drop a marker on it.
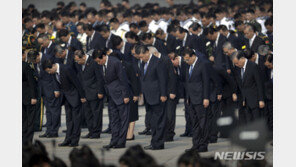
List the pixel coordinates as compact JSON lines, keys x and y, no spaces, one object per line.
{"x":73,"y":77}
{"x":134,"y":80}
{"x":99,"y":77}
{"x":206,"y":81}
{"x":172,"y":80}
{"x":258,"y":83}
{"x":31,"y":83}
{"x":121,"y":74}
{"x":229,"y":79}
{"x":162,"y":79}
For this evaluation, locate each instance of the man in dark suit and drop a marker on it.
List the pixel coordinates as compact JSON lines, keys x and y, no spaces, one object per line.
{"x":47,"y":45}
{"x":29,"y":94}
{"x":197,"y":31}
{"x":49,"y":93}
{"x":105,"y":32}
{"x":64,"y":56}
{"x":154,"y":91}
{"x":71,"y":42}
{"x":122,"y":48}
{"x":268,"y":90}
{"x":186,"y":39}
{"x":147,"y":39}
{"x":94,"y":39}
{"x":118,"y":92}
{"x":218,"y":40}
{"x":250,"y":85}
{"x":92,"y":82}
{"x":73,"y":94}
{"x":198,"y":94}
{"x":253,"y":41}
{"x":169,"y":40}
{"x":230,"y":37}
{"x":171,"y":80}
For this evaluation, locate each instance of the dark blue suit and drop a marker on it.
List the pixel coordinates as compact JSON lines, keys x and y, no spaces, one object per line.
{"x":74,"y":45}
{"x":48,"y":86}
{"x":198,"y":89}
{"x":98,"y":42}
{"x":116,"y":85}
{"x":92,"y":82}
{"x":72,"y":92}
{"x":153,"y":84}
{"x":159,"y":45}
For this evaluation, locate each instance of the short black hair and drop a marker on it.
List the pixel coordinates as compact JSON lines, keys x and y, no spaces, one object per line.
{"x":82,"y":4}
{"x":238,"y":22}
{"x":189,"y":158}
{"x":32,"y":55}
{"x":248,"y":53}
{"x":133,"y":25}
{"x":79,"y":53}
{"x":142,"y":24}
{"x":40,"y":25}
{"x":210,"y":30}
{"x":195,"y":26}
{"x":63,"y":32}
{"x":116,"y":40}
{"x":181,"y":30}
{"x":269,"y":58}
{"x":223,"y":28}
{"x":99,"y":53}
{"x":114,"y":20}
{"x":131,"y":35}
{"x":146,"y":36}
{"x":159,"y":31}
{"x":61,"y":3}
{"x":47,"y":63}
{"x":269,"y":21}
{"x":141,"y":49}
{"x":88,"y":27}
{"x":188,"y":51}
{"x":103,"y":28}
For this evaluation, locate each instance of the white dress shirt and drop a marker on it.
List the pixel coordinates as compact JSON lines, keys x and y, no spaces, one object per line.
{"x":252,"y":40}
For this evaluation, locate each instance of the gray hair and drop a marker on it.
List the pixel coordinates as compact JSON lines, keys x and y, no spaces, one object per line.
{"x":227,"y":45}
{"x":59,"y":49}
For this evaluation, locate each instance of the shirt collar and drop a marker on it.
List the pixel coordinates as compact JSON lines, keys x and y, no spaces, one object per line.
{"x":245,"y":65}
{"x":199,"y":34}
{"x":218,"y":36}
{"x":194,"y":62}
{"x":58,"y":69}
{"x":227,"y":36}
{"x":149,"y":59}
{"x":49,"y":44}
{"x":166,"y":36}
{"x":92,"y":36}
{"x":87,"y":56}
{"x":153,"y":41}
{"x":69,"y":41}
{"x":184,"y":40}
{"x":106,"y":63}
{"x":252,"y":39}
{"x":257,"y":59}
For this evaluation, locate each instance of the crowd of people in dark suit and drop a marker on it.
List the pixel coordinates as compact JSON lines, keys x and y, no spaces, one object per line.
{"x":216,"y":56}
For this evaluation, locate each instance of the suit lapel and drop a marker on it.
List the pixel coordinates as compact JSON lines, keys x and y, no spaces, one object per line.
{"x":246,"y":72}
{"x":195,"y":68}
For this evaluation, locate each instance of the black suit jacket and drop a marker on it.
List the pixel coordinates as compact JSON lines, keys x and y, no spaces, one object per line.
{"x":91,"y":79}
{"x":171,"y":78}
{"x":68,"y":61}
{"x":159,"y":45}
{"x":268,"y":87}
{"x":116,"y":82}
{"x":251,"y":85}
{"x":234,"y":41}
{"x":29,"y":85}
{"x":198,"y":85}
{"x":256,"y":43}
{"x":49,"y":51}
{"x":108,"y":43}
{"x":153,"y":82}
{"x":70,"y":86}
{"x":220,"y":57}
{"x":171,"y":43}
{"x":133,"y":79}
{"x":98,"y":42}
{"x":74,"y":45}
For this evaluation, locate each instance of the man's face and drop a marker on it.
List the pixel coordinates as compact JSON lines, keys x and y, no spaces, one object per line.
{"x":120,"y":45}
{"x":101,"y":61}
{"x":205,"y":21}
{"x":29,"y":25}
{"x":161,"y":36}
{"x":144,"y":56}
{"x":268,"y":64}
{"x":269,"y":28}
{"x":130,"y":40}
{"x":65,"y":19}
{"x":114,"y":26}
{"x":144,"y":29}
{"x":38,"y":59}
{"x":80,"y":30}
{"x":64,"y":38}
{"x":239,"y":62}
{"x":180,"y":35}
{"x":249,"y":16}
{"x":226,"y":51}
{"x":80,"y":61}
{"x":88,"y":33}
{"x":248,"y":33}
{"x":90,"y":18}
{"x":189,"y":60}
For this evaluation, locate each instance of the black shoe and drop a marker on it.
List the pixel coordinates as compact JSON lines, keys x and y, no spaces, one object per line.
{"x":64,"y":131}
{"x":53,"y":135}
{"x":169,"y":140}
{"x":213,"y":141}
{"x":133,"y":138}
{"x":109,"y":146}
{"x":148,"y":147}
{"x":86,"y":136}
{"x":190,"y":135}
{"x":95,"y":136}
{"x":184,"y":134}
{"x":149,"y":132}
{"x":144,"y":132}
{"x":73,"y":145}
{"x":64,"y":144}
{"x":202,"y":149}
{"x":108,"y":130}
{"x":43,"y":136}
{"x":119,"y":146}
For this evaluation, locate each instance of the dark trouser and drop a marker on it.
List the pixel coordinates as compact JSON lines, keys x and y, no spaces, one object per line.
{"x":227,"y":107}
{"x":170,"y":110}
{"x":252,"y":114}
{"x":268,"y":114}
{"x":200,"y":132}
{"x":73,"y":120}
{"x":213,"y":114}
{"x":157,"y":123}
{"x":147,"y":118}
{"x":119,"y":122}
{"x":38,"y":118}
{"x":53,"y":115}
{"x":188,"y":124}
{"x":28,"y":115}
{"x":93,"y":111}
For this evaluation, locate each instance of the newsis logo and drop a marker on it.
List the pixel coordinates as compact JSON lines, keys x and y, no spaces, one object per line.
{"x":239,"y":155}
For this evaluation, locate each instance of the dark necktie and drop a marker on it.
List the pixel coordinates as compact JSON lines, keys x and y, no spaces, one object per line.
{"x":242,"y":73}
{"x":190,"y":70}
{"x":105,"y":68}
{"x":145,"y":68}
